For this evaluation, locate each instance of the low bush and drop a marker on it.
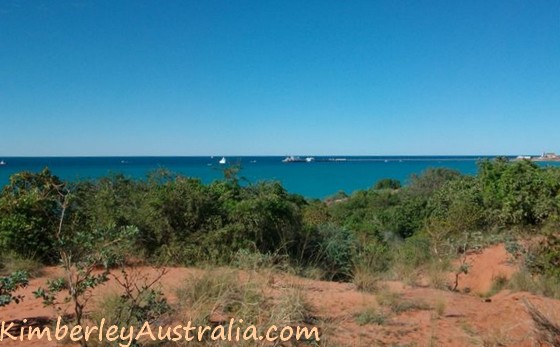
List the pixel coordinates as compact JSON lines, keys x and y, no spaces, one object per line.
{"x":10,"y":284}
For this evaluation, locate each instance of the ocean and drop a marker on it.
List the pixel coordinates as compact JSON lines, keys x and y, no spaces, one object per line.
{"x":319,"y":179}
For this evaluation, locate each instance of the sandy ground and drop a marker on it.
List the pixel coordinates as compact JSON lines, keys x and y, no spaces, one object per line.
{"x":461,"y":320}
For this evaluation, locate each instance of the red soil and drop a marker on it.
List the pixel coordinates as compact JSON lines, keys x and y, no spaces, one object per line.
{"x":484,"y":268}
{"x":462,"y":320}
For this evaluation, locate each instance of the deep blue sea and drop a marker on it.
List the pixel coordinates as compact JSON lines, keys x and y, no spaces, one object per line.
{"x":317,"y":179}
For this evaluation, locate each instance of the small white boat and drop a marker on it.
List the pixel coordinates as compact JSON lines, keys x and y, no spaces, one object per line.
{"x":2,"y":162}
{"x":222,"y":161}
{"x":309,"y":159}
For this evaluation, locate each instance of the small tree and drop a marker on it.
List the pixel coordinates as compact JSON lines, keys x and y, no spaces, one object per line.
{"x":81,"y":252}
{"x":141,"y":300}
{"x":464,"y":265}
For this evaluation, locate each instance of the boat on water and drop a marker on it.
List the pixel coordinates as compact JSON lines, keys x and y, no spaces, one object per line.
{"x":2,"y":163}
{"x":296,"y":159}
{"x":222,"y":161}
{"x":293,"y":159}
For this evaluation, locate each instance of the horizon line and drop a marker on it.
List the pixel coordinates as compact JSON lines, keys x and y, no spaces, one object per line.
{"x":258,"y":155}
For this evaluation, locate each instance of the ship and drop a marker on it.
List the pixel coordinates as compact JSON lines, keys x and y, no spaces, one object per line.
{"x":293,"y":159}
{"x":222,"y":161}
{"x":296,"y":159}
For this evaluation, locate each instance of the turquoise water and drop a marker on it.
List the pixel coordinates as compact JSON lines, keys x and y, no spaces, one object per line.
{"x":317,"y":179}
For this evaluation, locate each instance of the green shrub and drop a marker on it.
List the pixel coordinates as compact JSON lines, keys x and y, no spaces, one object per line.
{"x":387,"y":183}
{"x":406,"y":218}
{"x":430,"y":180}
{"x":30,"y":208}
{"x":520,"y":192}
{"x":459,"y":205}
{"x":334,"y":251}
{"x":371,"y":260}
{"x":544,"y":257}
{"x":409,"y":256}
{"x":9,"y":284}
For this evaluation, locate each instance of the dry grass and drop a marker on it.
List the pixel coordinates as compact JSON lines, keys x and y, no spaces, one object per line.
{"x":523,"y":281}
{"x":371,"y":315}
{"x":214,"y":296}
{"x":365,"y":280}
{"x":405,"y":273}
{"x":499,"y":282}
{"x":398,"y":304}
{"x":12,"y":262}
{"x":219,"y":293}
{"x":291,"y":307}
{"x":548,"y":331}
{"x":497,"y":337}
{"x":440,"y":307}
{"x":438,"y":274}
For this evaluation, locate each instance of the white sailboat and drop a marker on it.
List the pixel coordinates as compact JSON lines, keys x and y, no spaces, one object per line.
{"x":2,"y":163}
{"x":222,"y":161}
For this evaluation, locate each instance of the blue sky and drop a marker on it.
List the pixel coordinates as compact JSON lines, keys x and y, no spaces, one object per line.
{"x":210,"y":77}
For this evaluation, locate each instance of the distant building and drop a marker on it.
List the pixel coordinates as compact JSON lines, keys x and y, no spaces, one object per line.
{"x":549,"y":156}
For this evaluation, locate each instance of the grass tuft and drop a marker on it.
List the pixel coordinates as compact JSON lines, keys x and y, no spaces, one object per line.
{"x":13,"y":262}
{"x":370,"y":316}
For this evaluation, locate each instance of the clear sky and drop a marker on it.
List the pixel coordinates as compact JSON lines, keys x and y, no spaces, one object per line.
{"x":261,"y":77}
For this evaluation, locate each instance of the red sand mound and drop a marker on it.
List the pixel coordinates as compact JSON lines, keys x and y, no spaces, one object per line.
{"x":484,"y":268}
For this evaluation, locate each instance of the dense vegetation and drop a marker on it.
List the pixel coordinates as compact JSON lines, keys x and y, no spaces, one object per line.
{"x":419,"y":231}
{"x":171,"y":219}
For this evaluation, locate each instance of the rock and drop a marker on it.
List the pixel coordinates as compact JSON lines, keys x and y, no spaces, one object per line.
{"x":453,"y":314}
